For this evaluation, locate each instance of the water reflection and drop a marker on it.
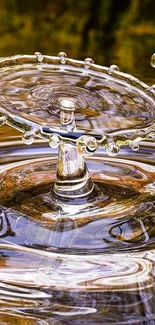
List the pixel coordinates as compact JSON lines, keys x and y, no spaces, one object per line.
{"x":42,"y":285}
{"x":37,"y":296}
{"x":55,"y":273}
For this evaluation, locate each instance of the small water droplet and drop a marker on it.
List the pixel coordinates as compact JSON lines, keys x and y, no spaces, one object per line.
{"x":113,"y":68}
{"x":87,"y":144}
{"x":91,"y":144}
{"x":54,"y":141}
{"x":152,"y":61}
{"x":63,"y":57}
{"x":67,"y":104}
{"x":39,"y":56}
{"x":88,"y":62}
{"x":28,"y":137}
{"x":2,"y":120}
{"x":112,"y":149}
{"x":150,"y":136}
{"x":134,"y":145}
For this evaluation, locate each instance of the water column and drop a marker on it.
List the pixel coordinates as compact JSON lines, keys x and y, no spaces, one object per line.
{"x":72,"y":179}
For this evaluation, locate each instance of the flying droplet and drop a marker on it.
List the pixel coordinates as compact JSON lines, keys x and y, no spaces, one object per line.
{"x":152,"y":61}
{"x":39,"y":56}
{"x":134,"y":145}
{"x":63,"y":57}
{"x":28,"y":137}
{"x":88,"y":62}
{"x":54,"y":141}
{"x":113,"y":68}
{"x":112,"y":149}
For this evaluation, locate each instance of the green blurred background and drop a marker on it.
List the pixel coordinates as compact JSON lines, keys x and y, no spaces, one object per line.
{"x":110,"y":31}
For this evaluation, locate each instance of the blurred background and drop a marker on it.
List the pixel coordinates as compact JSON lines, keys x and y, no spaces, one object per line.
{"x":118,"y":32}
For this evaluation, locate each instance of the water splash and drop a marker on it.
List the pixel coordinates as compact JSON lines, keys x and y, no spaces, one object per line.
{"x":121,"y":108}
{"x":87,"y":258}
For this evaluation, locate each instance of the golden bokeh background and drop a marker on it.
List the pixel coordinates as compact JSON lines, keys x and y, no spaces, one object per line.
{"x":110,"y":31}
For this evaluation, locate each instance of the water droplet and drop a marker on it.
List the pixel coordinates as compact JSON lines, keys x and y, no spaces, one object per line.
{"x":112,"y":149}
{"x":91,"y":144}
{"x":54,"y":141}
{"x":2,"y":120}
{"x":88,"y":62}
{"x":67,"y":104}
{"x":63,"y":57}
{"x":87,"y":144}
{"x":152,"y":61}
{"x":134,"y":145}
{"x":39,"y":56}
{"x":150,"y":136}
{"x":113,"y":68}
{"x":28,"y":137}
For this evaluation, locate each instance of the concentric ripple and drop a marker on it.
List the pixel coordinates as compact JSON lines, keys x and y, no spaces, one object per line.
{"x":121,"y":215}
{"x":95,"y":267}
{"x":76,"y":260}
{"x":70,"y":272}
{"x":105,"y":101}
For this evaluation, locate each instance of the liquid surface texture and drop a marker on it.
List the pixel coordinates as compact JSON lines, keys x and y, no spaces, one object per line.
{"x":78,"y":260}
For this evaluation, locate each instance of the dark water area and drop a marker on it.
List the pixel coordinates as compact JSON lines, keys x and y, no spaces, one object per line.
{"x":95,"y":266}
